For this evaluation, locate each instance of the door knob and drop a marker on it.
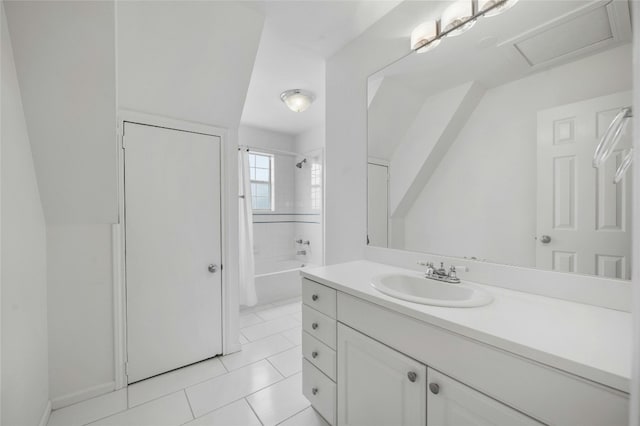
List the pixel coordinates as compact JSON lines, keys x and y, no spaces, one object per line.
{"x":314,"y":297}
{"x":213,"y":268}
{"x":314,"y":391}
{"x":314,"y":325}
{"x":434,"y":388}
{"x":545,"y":239}
{"x":412,"y":376}
{"x":314,"y":354}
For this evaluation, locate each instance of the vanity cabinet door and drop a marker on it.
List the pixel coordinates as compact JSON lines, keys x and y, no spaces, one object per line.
{"x":378,"y":385}
{"x":453,"y":404}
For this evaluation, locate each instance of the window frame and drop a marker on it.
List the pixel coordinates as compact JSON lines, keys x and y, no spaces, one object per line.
{"x":270,"y":182}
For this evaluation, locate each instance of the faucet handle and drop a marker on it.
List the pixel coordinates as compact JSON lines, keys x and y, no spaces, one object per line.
{"x":452,"y":272}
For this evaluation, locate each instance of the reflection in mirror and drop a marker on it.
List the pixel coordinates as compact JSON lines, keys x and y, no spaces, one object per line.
{"x":483,"y":146}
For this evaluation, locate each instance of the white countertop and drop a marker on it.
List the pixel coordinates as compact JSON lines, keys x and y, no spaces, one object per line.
{"x":587,"y":341}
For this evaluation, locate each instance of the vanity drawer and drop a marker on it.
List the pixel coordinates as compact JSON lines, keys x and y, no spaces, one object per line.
{"x":319,"y":326}
{"x":320,"y":391}
{"x":319,"y":354}
{"x":319,"y":297}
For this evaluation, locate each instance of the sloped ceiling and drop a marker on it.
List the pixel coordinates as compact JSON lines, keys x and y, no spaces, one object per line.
{"x":65,"y":59}
{"x":189,"y":60}
{"x":183,"y":60}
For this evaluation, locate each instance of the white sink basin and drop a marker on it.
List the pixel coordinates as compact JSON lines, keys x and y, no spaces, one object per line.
{"x":430,"y":292}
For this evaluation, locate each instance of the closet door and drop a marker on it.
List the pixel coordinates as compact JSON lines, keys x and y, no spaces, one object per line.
{"x":173,"y":249}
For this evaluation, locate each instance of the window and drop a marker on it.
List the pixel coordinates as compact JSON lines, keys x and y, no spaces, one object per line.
{"x":261,"y":173}
{"x":316,"y":186}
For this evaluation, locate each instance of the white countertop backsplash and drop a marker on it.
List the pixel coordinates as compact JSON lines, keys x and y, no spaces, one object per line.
{"x":588,"y":341}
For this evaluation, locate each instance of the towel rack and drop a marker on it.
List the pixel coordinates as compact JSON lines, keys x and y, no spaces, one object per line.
{"x":609,"y":141}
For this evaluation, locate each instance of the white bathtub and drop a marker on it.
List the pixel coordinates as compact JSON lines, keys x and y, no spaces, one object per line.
{"x":277,"y":280}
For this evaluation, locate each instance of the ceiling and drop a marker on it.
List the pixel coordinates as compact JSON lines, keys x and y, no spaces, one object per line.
{"x":297,"y":38}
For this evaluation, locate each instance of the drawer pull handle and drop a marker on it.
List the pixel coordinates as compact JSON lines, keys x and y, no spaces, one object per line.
{"x":314,"y":391}
{"x":314,"y":297}
{"x":314,"y":354}
{"x":412,"y":376}
{"x":314,"y":325}
{"x":434,"y":388}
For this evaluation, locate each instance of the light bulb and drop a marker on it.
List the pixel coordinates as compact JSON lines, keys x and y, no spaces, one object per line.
{"x":423,"y":36}
{"x":458,"y":15}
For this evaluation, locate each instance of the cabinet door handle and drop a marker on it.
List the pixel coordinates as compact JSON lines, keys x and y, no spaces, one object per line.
{"x":314,"y":297}
{"x":314,"y":325}
{"x":314,"y":391}
{"x":314,"y":354}
{"x":434,"y":388}
{"x":412,"y":376}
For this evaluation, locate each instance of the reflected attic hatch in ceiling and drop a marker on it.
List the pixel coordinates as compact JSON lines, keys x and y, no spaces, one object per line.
{"x":579,"y":32}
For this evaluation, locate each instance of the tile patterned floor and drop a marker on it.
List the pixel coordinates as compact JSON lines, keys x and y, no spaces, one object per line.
{"x":261,"y":385}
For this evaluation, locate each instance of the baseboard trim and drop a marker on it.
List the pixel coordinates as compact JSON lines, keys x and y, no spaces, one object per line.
{"x":82,"y":395}
{"x":45,"y":415}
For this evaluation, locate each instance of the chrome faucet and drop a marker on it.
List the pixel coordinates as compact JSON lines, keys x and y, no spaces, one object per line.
{"x":440,"y":274}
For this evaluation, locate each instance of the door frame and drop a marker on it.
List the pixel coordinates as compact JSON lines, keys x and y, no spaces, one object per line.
{"x":230,"y":317}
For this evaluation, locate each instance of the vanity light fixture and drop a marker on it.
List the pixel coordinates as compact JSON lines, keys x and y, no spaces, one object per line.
{"x":460,"y":16}
{"x":423,"y":37}
{"x":297,"y":100}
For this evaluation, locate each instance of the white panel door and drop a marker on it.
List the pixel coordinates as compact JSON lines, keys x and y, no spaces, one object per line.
{"x":450,"y":403}
{"x":378,"y":385}
{"x":585,"y":215}
{"x":377,"y":208}
{"x":172,"y":211}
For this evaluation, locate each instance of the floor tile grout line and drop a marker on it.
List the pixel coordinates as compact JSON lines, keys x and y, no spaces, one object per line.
{"x":278,"y":332}
{"x":254,"y":411}
{"x":183,"y":388}
{"x":247,"y":395}
{"x":293,"y":415}
{"x":189,"y":404}
{"x":266,"y":358}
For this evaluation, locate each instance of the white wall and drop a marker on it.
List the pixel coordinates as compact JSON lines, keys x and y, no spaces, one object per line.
{"x":175,"y":59}
{"x":346,"y":126}
{"x":310,"y":140}
{"x":502,"y":131}
{"x":80,"y":264}
{"x":25,"y":392}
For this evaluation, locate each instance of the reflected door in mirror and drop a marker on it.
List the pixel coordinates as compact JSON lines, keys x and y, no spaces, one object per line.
{"x":377,"y":196}
{"x":588,"y":226}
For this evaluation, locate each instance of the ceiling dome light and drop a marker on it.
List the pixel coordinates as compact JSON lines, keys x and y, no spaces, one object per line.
{"x":503,"y":7}
{"x":423,"y":37}
{"x":459,"y":15}
{"x":297,"y":100}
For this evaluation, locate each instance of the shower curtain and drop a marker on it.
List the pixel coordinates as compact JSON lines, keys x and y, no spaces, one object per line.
{"x":247,"y":290}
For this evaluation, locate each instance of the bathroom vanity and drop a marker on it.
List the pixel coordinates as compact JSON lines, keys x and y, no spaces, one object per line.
{"x":523,"y":359}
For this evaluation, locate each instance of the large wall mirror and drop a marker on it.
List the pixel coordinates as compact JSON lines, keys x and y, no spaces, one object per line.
{"x":482,"y":147}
